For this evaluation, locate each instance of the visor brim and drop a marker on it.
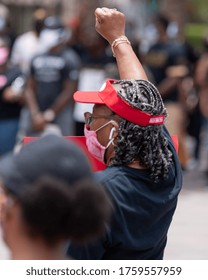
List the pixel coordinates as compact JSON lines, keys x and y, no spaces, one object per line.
{"x":91,"y":97}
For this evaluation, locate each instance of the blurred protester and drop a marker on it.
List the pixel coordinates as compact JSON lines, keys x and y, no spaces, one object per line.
{"x":201,"y":81}
{"x":97,"y":62}
{"x":53,"y":78}
{"x":189,"y":102}
{"x":45,"y":203}
{"x":97,"y":65}
{"x":194,"y":120}
{"x":5,"y":26}
{"x":167,"y":62}
{"x":12,"y":84}
{"x":26,"y":45}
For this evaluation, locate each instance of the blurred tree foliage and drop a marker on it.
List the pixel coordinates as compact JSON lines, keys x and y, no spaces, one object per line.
{"x":200,"y":10}
{"x":196,"y":27}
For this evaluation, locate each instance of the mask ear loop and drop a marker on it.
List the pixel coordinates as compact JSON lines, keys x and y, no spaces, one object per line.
{"x":111,"y":133}
{"x":111,"y":121}
{"x":111,"y":138}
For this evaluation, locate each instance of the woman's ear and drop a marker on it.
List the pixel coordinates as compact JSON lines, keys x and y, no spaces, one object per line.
{"x":6,"y":206}
{"x":3,"y":198}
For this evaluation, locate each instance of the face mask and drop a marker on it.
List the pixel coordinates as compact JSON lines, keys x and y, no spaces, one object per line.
{"x":93,"y":145}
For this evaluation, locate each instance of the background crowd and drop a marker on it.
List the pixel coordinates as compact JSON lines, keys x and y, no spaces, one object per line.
{"x":42,"y":67}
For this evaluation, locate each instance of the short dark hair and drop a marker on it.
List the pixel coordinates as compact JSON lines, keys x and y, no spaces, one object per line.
{"x":52,"y":180}
{"x":54,"y":210}
{"x":162,"y":20}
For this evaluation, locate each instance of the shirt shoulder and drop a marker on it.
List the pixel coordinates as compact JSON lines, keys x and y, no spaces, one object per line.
{"x":71,"y":58}
{"x":108,"y":174}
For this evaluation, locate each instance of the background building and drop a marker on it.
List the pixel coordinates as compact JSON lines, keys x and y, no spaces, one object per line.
{"x":190,"y":15}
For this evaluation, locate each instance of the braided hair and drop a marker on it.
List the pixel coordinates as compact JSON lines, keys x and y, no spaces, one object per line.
{"x":147,"y":144}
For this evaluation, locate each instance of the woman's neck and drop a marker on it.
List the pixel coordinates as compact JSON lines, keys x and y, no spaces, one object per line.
{"x":135,"y":164}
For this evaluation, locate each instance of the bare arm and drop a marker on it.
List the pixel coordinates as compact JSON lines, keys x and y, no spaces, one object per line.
{"x":38,"y":121}
{"x":167,"y":85}
{"x":201,"y":72}
{"x":30,"y":96}
{"x":111,"y":25}
{"x":39,"y":118}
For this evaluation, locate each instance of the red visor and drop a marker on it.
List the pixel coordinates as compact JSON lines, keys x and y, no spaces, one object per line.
{"x":107,"y":95}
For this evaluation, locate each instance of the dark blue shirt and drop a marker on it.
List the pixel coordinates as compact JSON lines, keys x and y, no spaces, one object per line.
{"x":143,"y":213}
{"x":50,"y":71}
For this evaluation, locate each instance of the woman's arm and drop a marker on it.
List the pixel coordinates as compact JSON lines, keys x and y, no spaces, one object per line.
{"x":111,"y":25}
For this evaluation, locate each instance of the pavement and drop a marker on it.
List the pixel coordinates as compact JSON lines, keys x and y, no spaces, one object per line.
{"x":4,"y":252}
{"x":188,"y":234}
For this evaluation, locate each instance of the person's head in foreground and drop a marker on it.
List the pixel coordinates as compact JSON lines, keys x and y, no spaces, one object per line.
{"x":125,"y":127}
{"x":49,"y":197}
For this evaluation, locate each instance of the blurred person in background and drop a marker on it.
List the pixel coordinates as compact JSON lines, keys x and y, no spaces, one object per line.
{"x":167,"y":62}
{"x":52,"y":80}
{"x":97,"y":65}
{"x":5,"y":26}
{"x":26,"y":44}
{"x":97,"y":62}
{"x":12,"y":84}
{"x":201,"y":82}
{"x":46,"y":203}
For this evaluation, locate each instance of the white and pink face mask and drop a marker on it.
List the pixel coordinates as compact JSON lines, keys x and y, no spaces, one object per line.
{"x":93,"y":145}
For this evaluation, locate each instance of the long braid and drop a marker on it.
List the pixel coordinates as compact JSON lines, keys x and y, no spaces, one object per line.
{"x":146,"y":144}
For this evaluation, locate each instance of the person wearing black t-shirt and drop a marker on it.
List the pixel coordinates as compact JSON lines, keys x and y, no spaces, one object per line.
{"x":168,"y":62}
{"x":52,"y":80}
{"x":11,"y":99}
{"x":126,"y":131}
